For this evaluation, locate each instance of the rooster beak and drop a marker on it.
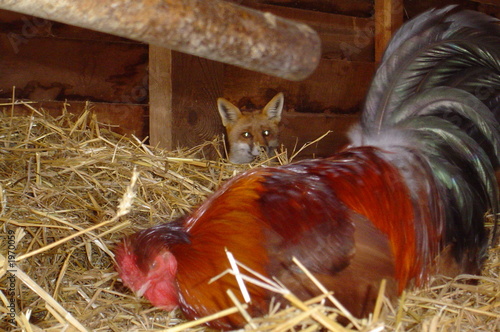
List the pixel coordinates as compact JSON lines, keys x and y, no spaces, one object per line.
{"x":144,"y":288}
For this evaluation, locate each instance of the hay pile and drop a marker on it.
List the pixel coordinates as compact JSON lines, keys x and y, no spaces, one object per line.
{"x":70,"y":190}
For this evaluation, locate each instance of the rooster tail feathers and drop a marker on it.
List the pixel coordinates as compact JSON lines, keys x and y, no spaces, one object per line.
{"x":446,"y":144}
{"x":431,"y":109}
{"x":437,"y":48}
{"x":460,"y":141}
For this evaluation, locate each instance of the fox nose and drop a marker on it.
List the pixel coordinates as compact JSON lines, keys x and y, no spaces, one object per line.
{"x":257,"y":149}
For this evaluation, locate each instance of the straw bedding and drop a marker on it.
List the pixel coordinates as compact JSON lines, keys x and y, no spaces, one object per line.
{"x":70,"y":190}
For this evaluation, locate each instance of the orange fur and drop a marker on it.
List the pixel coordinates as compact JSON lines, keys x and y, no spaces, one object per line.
{"x":249,"y":132}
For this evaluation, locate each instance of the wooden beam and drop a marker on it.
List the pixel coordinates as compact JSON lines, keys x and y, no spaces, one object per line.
{"x":213,"y":29}
{"x":342,"y":37}
{"x":388,"y":18}
{"x":160,"y":97}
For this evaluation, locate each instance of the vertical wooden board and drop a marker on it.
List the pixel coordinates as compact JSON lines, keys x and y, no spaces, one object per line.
{"x":388,"y":18}
{"x":62,"y":69}
{"x":197,"y":83}
{"x":160,"y":97}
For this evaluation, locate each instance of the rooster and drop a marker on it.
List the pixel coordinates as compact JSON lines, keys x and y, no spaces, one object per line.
{"x":405,"y":200}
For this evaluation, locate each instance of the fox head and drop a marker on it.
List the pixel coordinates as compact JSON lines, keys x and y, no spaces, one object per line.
{"x":250,"y":132}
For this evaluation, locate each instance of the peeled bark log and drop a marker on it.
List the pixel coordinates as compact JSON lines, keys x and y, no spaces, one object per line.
{"x":212,"y":29}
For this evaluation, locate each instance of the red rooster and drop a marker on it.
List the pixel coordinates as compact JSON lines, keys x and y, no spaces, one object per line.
{"x":406,"y":200}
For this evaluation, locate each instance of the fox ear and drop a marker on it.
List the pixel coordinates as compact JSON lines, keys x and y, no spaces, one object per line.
{"x":228,"y":112}
{"x":274,"y":107}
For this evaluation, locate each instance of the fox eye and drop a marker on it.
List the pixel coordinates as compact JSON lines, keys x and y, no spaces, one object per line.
{"x":246,"y":134}
{"x":266,"y":133}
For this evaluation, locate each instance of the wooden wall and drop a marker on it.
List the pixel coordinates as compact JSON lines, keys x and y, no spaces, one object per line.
{"x":171,"y":96}
{"x":329,"y":100}
{"x":52,"y":63}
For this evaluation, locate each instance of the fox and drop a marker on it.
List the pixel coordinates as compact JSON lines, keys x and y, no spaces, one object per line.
{"x":250,"y":132}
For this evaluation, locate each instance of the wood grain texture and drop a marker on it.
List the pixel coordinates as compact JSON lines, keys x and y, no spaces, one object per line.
{"x":214,"y":29}
{"x":360,"y":8}
{"x":388,"y":18}
{"x":298,"y":129}
{"x":160,"y":97}
{"x":337,"y":86}
{"x":28,"y":26}
{"x":67,"y":69}
{"x":342,"y":37}
{"x":198,"y":84}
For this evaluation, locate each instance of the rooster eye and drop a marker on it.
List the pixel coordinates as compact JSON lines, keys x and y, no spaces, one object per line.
{"x":246,"y":134}
{"x":266,"y":133}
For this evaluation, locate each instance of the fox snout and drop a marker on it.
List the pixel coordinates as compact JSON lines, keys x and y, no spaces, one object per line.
{"x":259,"y":148}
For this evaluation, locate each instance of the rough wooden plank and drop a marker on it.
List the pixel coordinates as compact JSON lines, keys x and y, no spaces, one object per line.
{"x":160,"y":97}
{"x":336,"y":87}
{"x":197,"y":83}
{"x":388,"y":18}
{"x":298,"y":129}
{"x":62,"y":69}
{"x":122,"y":119}
{"x":213,"y":29}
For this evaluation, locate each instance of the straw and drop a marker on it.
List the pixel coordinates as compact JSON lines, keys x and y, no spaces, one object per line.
{"x":70,"y":190}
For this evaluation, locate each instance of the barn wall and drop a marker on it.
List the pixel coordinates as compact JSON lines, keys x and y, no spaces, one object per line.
{"x":53,"y":63}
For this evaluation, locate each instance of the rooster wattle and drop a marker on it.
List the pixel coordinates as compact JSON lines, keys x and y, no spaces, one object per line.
{"x":407,"y":199}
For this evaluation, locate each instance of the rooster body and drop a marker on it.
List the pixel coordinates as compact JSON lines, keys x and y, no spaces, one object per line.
{"x":406,"y":200}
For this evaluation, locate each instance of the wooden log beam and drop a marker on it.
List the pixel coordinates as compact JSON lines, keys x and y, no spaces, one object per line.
{"x":212,"y":29}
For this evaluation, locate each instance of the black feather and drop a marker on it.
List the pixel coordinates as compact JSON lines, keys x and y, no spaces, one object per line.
{"x":436,"y":96}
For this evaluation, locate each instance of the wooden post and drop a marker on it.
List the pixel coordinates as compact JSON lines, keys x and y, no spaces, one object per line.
{"x":388,"y":18}
{"x":160,"y":97}
{"x":213,"y":29}
{"x":183,"y":92}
